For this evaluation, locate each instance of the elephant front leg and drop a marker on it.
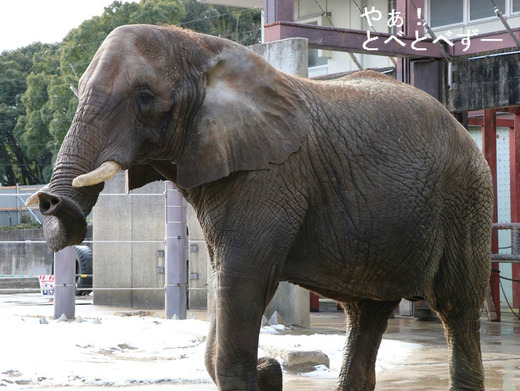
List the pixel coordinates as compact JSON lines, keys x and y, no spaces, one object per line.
{"x":269,"y":375}
{"x":232,"y":346}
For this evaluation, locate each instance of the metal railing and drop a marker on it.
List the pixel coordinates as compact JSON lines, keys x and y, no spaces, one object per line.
{"x":20,"y":195}
{"x":514,"y":257}
{"x":91,"y":289}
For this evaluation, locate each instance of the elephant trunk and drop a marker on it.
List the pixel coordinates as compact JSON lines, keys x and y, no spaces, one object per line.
{"x":64,"y":206}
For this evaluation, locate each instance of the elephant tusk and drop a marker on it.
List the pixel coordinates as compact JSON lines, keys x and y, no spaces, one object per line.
{"x":101,"y":174}
{"x":34,"y":199}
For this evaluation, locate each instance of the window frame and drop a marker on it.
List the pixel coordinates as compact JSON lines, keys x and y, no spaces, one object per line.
{"x":512,"y":10}
{"x":466,"y":15}
{"x":452,"y":25}
{"x":318,"y":20}
{"x":507,"y":6}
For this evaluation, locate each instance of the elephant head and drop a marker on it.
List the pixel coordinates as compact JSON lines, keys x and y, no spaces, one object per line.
{"x":167,"y":103}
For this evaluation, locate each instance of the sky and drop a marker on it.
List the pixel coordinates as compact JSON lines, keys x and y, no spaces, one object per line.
{"x":23,"y":22}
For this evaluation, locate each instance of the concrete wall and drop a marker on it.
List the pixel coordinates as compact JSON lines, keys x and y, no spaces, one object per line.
{"x":140,"y":216}
{"x":29,"y":257}
{"x":134,"y":217}
{"x":199,"y":265}
{"x":483,"y":82}
{"x":25,"y":258}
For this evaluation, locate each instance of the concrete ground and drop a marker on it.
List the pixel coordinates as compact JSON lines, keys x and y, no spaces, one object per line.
{"x":426,"y":369}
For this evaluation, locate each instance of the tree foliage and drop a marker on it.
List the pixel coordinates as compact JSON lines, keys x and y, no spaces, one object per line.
{"x":37,"y":82}
{"x":238,"y":24}
{"x":15,"y":77}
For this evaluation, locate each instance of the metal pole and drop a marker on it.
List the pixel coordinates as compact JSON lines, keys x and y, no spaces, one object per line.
{"x":64,"y":282}
{"x":176,"y":278}
{"x":18,"y":212}
{"x":439,"y":45}
{"x":506,"y":25}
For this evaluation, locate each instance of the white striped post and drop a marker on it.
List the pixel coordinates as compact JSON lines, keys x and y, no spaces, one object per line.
{"x":176,"y":241}
{"x":65,"y":282}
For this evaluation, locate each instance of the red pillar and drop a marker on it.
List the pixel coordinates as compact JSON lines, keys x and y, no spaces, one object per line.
{"x":278,"y":11}
{"x":489,"y":148}
{"x":413,"y":18}
{"x":315,"y":302}
{"x":514,"y":145}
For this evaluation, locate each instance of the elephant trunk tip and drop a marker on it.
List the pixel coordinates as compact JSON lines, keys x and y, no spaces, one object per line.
{"x":64,"y":224}
{"x":50,"y":204}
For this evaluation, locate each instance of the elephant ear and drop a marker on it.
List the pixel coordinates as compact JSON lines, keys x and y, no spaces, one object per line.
{"x":251,"y":116}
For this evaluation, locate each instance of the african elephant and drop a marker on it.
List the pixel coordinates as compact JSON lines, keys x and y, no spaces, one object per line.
{"x":365,"y":190}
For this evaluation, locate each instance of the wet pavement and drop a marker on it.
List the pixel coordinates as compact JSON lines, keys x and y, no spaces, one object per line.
{"x":425,"y":369}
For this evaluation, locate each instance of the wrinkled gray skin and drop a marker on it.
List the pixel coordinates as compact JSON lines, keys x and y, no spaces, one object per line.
{"x":364,"y":190}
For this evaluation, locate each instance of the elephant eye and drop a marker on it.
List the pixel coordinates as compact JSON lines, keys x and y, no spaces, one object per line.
{"x":146,"y":98}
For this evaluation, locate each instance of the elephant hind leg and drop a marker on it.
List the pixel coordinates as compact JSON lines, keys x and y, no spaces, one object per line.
{"x":459,"y":292}
{"x":460,"y":315}
{"x":461,"y":327}
{"x":366,"y":322}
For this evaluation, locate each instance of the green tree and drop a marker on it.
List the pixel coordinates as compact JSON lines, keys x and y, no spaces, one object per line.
{"x":81,"y":43}
{"x":32,"y":129}
{"x":242,"y":25}
{"x":15,"y":67}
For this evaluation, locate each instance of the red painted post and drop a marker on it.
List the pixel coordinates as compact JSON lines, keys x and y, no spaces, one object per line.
{"x":514,"y":143}
{"x":413,"y":15}
{"x":489,"y":148}
{"x":315,"y":302}
{"x":279,"y":11}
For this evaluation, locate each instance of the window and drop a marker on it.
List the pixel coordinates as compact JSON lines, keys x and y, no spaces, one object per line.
{"x":317,"y":57}
{"x":448,"y":12}
{"x":445,"y":12}
{"x":480,"y":9}
{"x":315,"y":60}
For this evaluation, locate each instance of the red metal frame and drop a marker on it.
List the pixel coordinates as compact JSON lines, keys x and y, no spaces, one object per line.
{"x":279,"y":25}
{"x":279,"y":10}
{"x":478,"y":45}
{"x":489,"y":148}
{"x":348,"y":40}
{"x":503,"y":120}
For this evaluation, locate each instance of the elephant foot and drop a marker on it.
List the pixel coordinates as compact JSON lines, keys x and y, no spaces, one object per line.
{"x":269,"y":375}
